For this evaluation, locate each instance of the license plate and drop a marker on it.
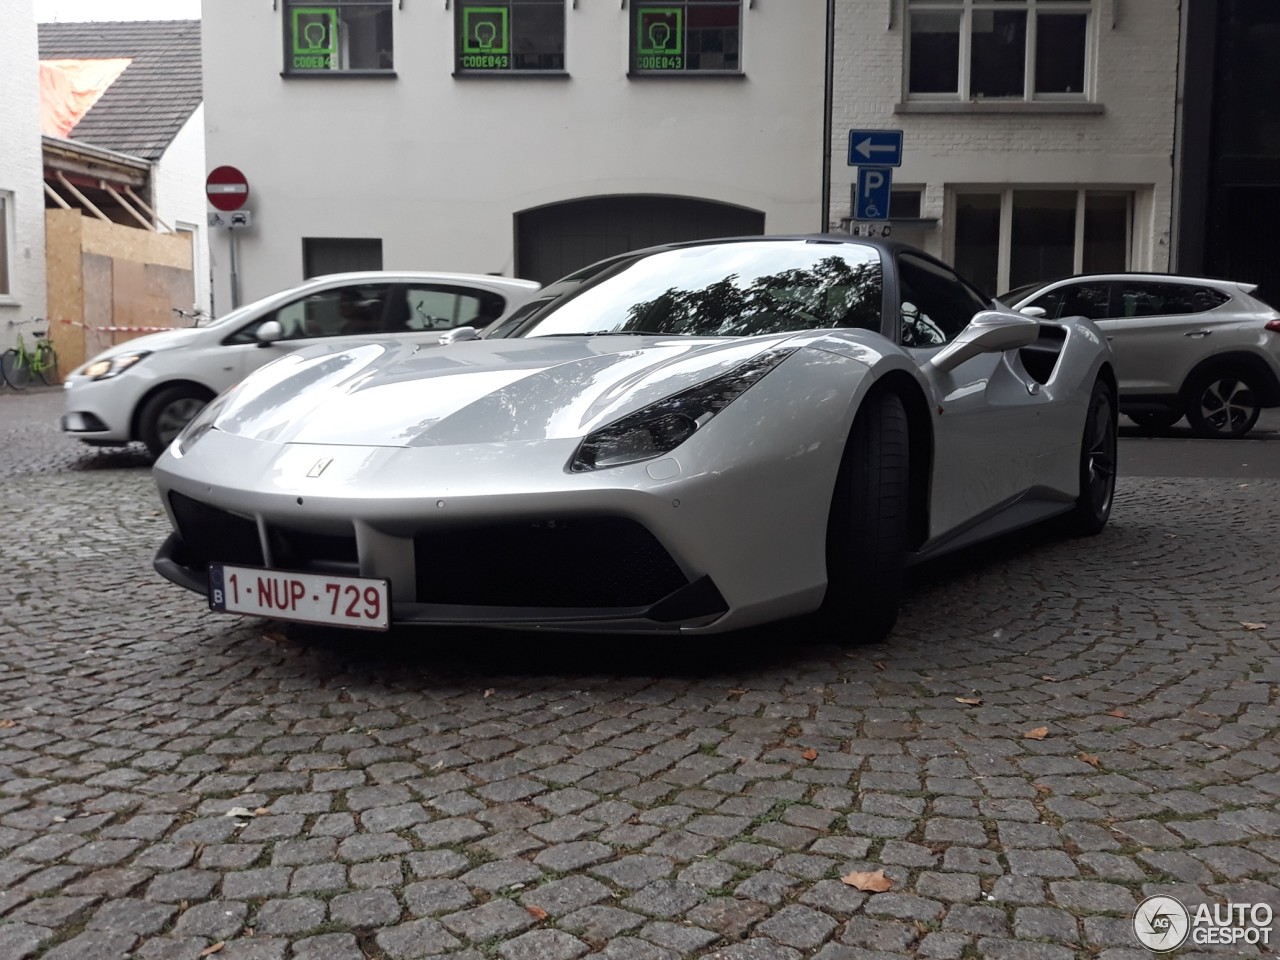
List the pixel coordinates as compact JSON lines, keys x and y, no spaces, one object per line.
{"x":360,"y":602}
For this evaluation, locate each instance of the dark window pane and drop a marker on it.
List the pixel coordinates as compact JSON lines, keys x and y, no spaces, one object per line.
{"x":1247,"y":95}
{"x":352,"y":36}
{"x":1106,"y":233}
{"x":1143,"y":299}
{"x":904,"y":204}
{"x":537,"y":36}
{"x":498,"y":35}
{"x":1043,"y":240}
{"x":935,"y":52}
{"x":686,"y":36}
{"x":998,"y":53}
{"x":978,"y":239}
{"x":1060,"y":43}
{"x":321,"y":255}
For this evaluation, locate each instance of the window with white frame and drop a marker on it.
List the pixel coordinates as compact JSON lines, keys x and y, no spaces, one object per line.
{"x":998,"y":49}
{"x":1006,"y":238}
{"x":6,"y":208}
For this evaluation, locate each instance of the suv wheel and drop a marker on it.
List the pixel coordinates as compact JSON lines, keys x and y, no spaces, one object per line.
{"x":1224,"y":403}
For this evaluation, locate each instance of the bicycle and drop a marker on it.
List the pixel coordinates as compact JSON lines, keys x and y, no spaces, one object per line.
{"x":197,"y":316}
{"x":17,"y":364}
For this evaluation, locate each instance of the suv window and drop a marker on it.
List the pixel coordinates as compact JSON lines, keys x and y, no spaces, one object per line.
{"x":935,"y":304}
{"x":1089,"y":300}
{"x":1140,"y":298}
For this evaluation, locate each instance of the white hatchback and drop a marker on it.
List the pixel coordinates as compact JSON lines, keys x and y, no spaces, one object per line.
{"x":147,"y":389}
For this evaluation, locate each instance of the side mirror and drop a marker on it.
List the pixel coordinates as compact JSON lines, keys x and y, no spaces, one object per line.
{"x":990,"y":331}
{"x":460,"y":333}
{"x":1033,"y":312}
{"x":269,"y":333}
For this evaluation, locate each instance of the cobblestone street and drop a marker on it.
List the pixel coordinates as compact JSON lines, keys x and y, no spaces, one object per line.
{"x":177,"y":784}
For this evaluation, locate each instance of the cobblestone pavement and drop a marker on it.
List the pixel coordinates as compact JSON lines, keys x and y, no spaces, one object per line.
{"x":175,"y":784}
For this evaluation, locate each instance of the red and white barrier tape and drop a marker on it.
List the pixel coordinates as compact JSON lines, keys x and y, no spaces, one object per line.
{"x":88,"y":326}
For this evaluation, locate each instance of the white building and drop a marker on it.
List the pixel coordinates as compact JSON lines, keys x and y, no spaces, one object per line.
{"x":1037,"y":134}
{"x":22,"y":260}
{"x":521,"y":137}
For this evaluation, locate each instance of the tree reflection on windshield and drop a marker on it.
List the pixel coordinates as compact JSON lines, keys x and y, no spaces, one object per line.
{"x":831,"y":293}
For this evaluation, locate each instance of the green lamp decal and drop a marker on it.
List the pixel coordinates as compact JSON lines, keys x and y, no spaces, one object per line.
{"x":315,"y":37}
{"x":660,"y":38}
{"x":486,"y":41}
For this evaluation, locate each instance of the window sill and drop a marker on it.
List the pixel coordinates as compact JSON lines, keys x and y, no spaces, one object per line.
{"x":337,"y":74}
{"x":999,"y":106}
{"x":686,"y":75}
{"x":509,"y":74}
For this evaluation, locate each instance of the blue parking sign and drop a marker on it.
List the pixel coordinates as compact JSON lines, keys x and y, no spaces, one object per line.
{"x":871,"y":201}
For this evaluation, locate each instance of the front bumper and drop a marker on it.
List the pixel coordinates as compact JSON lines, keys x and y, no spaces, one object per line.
{"x":99,"y":411}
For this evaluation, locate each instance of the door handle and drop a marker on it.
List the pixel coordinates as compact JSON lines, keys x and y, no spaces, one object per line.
{"x":1197,"y":333}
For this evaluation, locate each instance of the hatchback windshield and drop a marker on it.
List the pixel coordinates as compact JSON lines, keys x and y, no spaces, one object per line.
{"x":734,"y":289}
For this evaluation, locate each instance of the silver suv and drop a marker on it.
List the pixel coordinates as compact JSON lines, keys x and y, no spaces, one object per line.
{"x":1206,"y":349}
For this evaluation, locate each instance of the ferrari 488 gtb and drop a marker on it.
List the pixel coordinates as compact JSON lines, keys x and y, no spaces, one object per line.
{"x":685,"y":439}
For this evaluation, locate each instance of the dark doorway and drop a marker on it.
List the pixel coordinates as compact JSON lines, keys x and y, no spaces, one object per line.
{"x":555,"y":240}
{"x":324,"y":255}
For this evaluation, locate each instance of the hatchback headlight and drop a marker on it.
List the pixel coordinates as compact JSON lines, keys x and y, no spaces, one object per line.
{"x":112,"y":366}
{"x":661,"y":427}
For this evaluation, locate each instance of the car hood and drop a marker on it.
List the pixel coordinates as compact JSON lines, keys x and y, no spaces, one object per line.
{"x":391,"y":393}
{"x":152,"y":342}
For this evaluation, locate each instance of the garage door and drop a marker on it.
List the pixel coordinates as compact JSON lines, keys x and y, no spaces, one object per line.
{"x":556,"y":240}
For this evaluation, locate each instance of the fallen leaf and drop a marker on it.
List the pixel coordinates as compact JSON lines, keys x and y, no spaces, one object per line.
{"x":880,"y":665}
{"x":59,"y":819}
{"x":737,"y":693}
{"x":1116,"y":712}
{"x":1090,"y":758}
{"x":213,"y":948}
{"x":6,"y":724}
{"x":488,"y":693}
{"x":1049,"y":679}
{"x":1039,"y":733}
{"x":537,"y":912}
{"x":239,"y":812}
{"x":810,"y":754}
{"x":970,"y":701}
{"x":260,"y":812}
{"x":1252,"y":626}
{"x":873,"y":881}
{"x":274,"y":636}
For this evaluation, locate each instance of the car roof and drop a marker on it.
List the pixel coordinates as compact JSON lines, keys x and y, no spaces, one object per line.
{"x":1146,"y":275}
{"x":418,"y":276}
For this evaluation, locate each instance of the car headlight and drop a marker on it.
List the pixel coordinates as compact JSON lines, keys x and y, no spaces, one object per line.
{"x":112,"y":366}
{"x":661,"y":427}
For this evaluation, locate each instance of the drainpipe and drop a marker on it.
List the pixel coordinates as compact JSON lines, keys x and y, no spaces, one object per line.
{"x":828,"y":103}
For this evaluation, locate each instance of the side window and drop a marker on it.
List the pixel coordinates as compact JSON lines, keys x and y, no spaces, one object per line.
{"x":327,"y":313}
{"x":1139,"y":298}
{"x":340,"y":35}
{"x":935,"y":304}
{"x":1200,"y":299}
{"x":1088,"y":300}
{"x":443,"y":308}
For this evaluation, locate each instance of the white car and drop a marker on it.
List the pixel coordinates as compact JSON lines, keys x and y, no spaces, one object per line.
{"x":1184,"y":346}
{"x":687,"y":439}
{"x":149,"y":388}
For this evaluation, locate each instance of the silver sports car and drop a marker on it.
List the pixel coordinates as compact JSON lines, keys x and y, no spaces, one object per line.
{"x":688,"y":439}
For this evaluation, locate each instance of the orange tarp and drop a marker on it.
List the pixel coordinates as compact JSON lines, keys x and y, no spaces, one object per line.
{"x":68,"y":88}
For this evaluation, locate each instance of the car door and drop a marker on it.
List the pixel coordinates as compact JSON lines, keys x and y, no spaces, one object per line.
{"x":343,"y":310}
{"x":1158,"y":332}
{"x":988,"y":432}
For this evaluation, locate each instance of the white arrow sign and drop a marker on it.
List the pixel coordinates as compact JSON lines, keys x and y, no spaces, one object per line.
{"x":867,"y":148}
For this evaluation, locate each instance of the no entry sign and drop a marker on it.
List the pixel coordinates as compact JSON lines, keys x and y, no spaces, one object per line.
{"x":227,"y":188}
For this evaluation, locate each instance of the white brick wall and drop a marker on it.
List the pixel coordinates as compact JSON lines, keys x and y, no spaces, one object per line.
{"x":180,"y":197}
{"x":21,"y":166}
{"x":1129,"y":145}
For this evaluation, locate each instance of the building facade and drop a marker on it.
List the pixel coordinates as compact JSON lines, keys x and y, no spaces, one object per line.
{"x":520,"y":137}
{"x":1037,"y":134}
{"x":22,"y":257}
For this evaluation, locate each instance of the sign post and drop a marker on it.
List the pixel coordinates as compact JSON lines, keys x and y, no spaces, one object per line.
{"x":875,"y":153}
{"x":228,"y":190}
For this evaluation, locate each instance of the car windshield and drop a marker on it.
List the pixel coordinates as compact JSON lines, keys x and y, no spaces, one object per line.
{"x":1022,"y":292}
{"x":736,"y":289}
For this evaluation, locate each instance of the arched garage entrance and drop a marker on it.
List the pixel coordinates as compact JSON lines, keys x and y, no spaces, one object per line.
{"x":554,"y":240}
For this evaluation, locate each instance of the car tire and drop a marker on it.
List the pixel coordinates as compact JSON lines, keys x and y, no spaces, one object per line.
{"x":1155,"y":419}
{"x":1097,"y":463}
{"x":869,"y":522}
{"x":1224,"y":402}
{"x":165,"y":414}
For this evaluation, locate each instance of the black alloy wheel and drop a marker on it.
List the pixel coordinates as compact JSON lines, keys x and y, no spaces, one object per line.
{"x":1225,"y":403}
{"x":1097,"y":463}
